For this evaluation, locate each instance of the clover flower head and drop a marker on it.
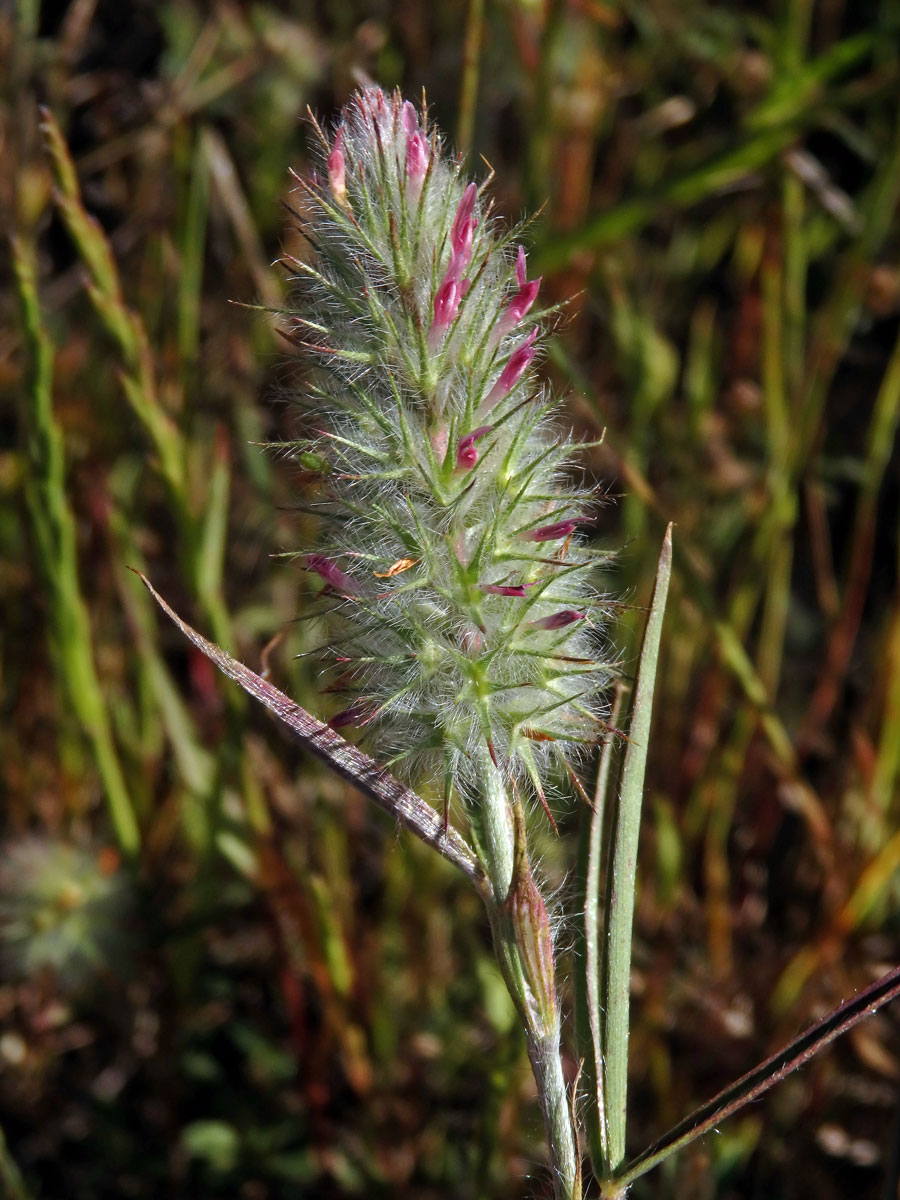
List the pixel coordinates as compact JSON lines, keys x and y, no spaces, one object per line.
{"x":454,"y":579}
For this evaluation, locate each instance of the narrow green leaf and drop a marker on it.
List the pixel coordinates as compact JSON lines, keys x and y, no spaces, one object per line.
{"x":11,"y":1180}
{"x":56,"y":552}
{"x":588,"y":1009}
{"x":214,"y":530}
{"x":622,"y":872}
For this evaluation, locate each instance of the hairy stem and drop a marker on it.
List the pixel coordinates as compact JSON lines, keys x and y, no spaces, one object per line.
{"x":523,"y":944}
{"x":547,"y":1067}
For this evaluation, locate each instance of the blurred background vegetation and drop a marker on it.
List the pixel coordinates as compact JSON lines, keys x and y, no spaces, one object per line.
{"x":222,"y":974}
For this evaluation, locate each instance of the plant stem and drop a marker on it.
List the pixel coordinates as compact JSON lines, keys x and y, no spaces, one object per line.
{"x":492,"y":822}
{"x":523,"y":944}
{"x":554,"y":1099}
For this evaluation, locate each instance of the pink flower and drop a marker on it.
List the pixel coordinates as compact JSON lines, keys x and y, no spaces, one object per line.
{"x":505,"y":589}
{"x":446,"y":304}
{"x":453,"y":288}
{"x":416,"y":151}
{"x":464,"y":211}
{"x":550,"y":533}
{"x":331,"y":573}
{"x":416,"y":163}
{"x":558,"y":620}
{"x":512,"y":372}
{"x":466,"y":453}
{"x":337,"y":172}
{"x":520,"y":303}
{"x":461,"y":233}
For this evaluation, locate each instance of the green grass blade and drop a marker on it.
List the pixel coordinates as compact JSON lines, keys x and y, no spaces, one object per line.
{"x":122,"y":325}
{"x":588,"y":1009}
{"x":11,"y":1180}
{"x":468,"y":93}
{"x":57,"y":554}
{"x":623,"y":869}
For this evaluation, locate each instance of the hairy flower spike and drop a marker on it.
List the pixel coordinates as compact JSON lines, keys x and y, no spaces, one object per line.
{"x":468,"y":645}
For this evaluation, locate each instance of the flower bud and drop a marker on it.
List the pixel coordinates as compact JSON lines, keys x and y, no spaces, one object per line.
{"x":466,"y":454}
{"x":506,"y":589}
{"x":337,"y":172}
{"x":558,"y":620}
{"x":550,"y":533}
{"x":416,"y":152}
{"x":520,"y":304}
{"x":332,"y":574}
{"x":513,"y":371}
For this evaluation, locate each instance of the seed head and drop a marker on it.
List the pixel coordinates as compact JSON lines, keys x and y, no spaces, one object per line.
{"x":64,"y":911}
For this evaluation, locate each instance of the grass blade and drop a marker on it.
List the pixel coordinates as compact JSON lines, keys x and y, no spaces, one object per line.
{"x":56,"y":551}
{"x":588,"y":1009}
{"x":623,"y":868}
